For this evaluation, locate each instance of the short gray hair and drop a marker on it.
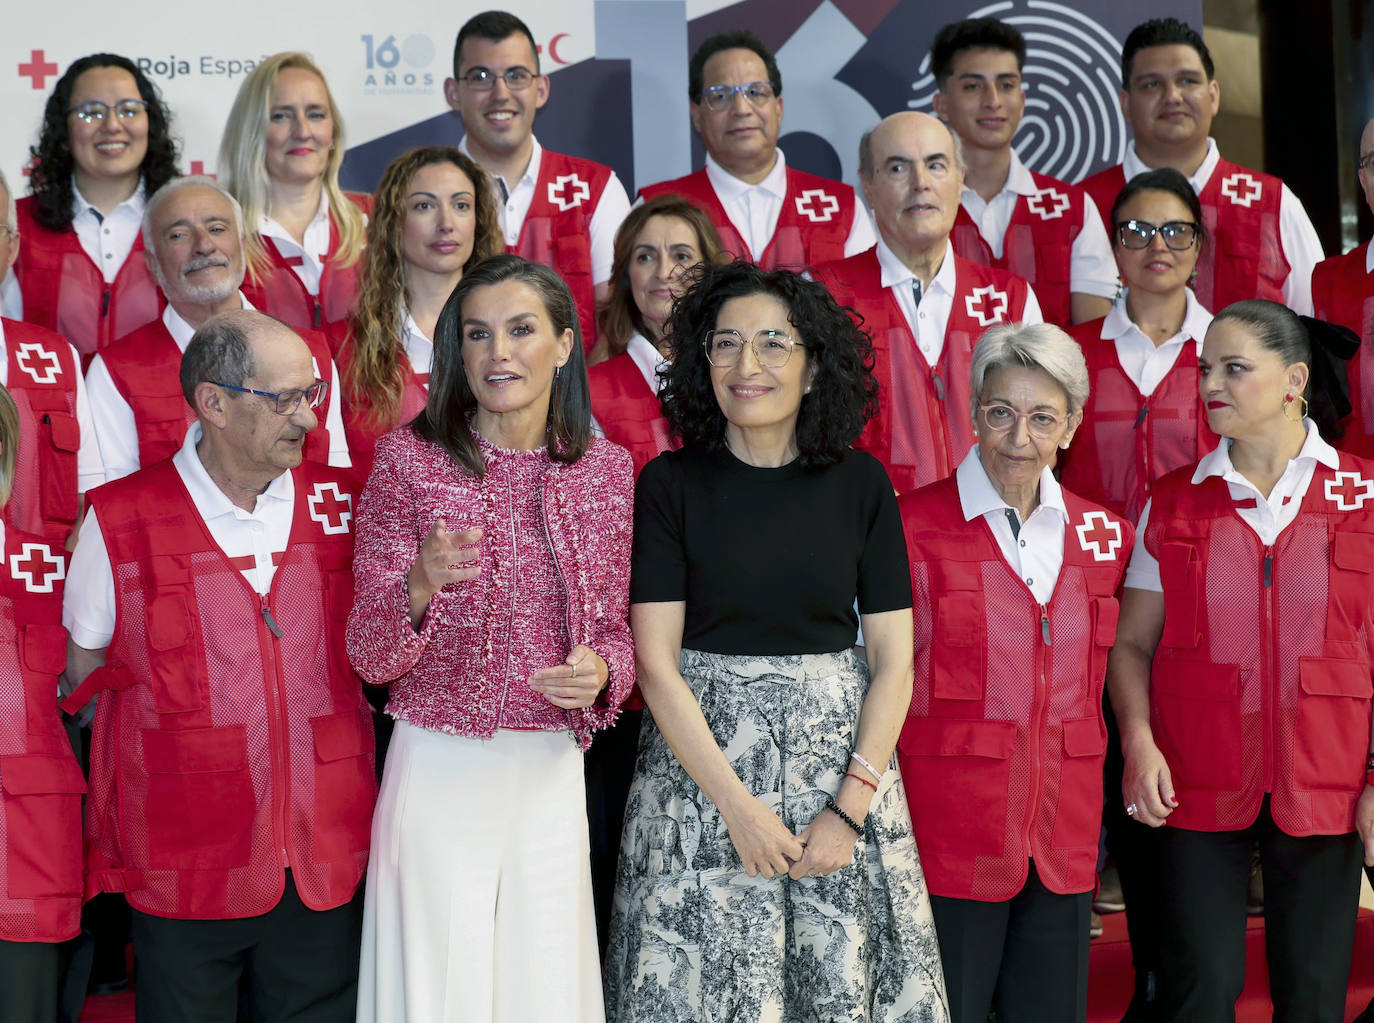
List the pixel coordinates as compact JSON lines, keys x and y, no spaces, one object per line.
{"x":219,"y":352}
{"x":11,"y":211}
{"x":175,"y":185}
{"x":866,"y":151}
{"x":1035,"y":346}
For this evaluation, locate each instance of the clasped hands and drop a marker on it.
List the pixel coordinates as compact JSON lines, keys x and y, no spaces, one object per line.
{"x":766,"y":847}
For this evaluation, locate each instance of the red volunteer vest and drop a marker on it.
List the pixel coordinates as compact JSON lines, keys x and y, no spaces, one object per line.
{"x":361,"y":435}
{"x":1002,"y":751}
{"x":42,"y":376}
{"x":813,"y":224}
{"x":628,"y":410}
{"x":1243,"y":255}
{"x":233,"y":741}
{"x":1128,"y":441}
{"x":40,"y":782}
{"x":1038,"y":246}
{"x":558,"y":228}
{"x":64,"y":291}
{"x":146,"y":369}
{"x":1343,"y":292}
{"x":923,"y":428}
{"x":281,"y":293}
{"x":1261,"y":681}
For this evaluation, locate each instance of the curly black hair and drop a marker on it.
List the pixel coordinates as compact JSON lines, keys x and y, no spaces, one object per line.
{"x":844,"y":392}
{"x":51,"y":182}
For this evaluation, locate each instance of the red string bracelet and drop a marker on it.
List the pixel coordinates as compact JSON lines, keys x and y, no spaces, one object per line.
{"x":860,"y":778}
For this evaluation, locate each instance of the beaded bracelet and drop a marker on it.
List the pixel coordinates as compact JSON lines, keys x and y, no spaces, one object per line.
{"x":858,"y":758}
{"x":861,"y":780}
{"x":834,"y":808}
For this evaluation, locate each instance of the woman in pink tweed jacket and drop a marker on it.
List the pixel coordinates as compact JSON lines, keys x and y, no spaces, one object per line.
{"x":492,"y":573}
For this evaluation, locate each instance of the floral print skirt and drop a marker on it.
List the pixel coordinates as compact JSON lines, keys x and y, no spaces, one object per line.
{"x":694,"y":938}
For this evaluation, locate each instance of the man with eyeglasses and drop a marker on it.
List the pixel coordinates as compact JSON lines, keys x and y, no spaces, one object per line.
{"x":765,"y":211}
{"x":1038,"y":227}
{"x":1262,"y":244}
{"x":232,"y":778}
{"x":559,"y":210}
{"x":193,"y":245}
{"x":924,"y":306}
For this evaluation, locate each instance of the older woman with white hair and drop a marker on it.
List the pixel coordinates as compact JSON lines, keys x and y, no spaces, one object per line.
{"x":1013,"y":580}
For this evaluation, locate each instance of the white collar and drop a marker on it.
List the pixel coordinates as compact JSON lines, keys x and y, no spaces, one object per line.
{"x":728,"y":187}
{"x":135,"y":203}
{"x":206,"y":495}
{"x":1019,"y":181}
{"x":182,"y":331}
{"x":649,"y":359}
{"x":269,"y":227}
{"x":1196,"y":320}
{"x":531,"y":171}
{"x":977,"y":495}
{"x":895,"y":272}
{"x":1217,"y":462}
{"x":1132,"y":165}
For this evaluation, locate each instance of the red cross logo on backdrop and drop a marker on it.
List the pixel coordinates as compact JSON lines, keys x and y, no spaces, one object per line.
{"x":38,"y":362}
{"x":37,"y":69}
{"x":198,"y":168}
{"x":1048,"y":204}
{"x":331,"y":508}
{"x":1241,"y":188}
{"x":1347,"y":491}
{"x":807,"y":205}
{"x":1099,"y":535}
{"x":568,"y":190}
{"x":37,"y":567}
{"x":988,"y":304}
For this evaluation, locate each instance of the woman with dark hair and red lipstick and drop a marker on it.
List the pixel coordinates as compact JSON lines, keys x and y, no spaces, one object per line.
{"x":1241,"y":679}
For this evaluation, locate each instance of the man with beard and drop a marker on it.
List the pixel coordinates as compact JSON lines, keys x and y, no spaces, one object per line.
{"x":193,"y":236}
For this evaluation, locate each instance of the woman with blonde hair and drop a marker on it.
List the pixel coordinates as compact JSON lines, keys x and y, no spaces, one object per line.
{"x":434,"y":216}
{"x":280,"y":157}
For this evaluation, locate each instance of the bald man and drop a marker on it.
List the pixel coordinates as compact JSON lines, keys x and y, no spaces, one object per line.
{"x":237,"y":821}
{"x":924,"y":305}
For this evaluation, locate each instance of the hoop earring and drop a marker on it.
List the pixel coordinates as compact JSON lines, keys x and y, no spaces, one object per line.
{"x":1290,"y":402}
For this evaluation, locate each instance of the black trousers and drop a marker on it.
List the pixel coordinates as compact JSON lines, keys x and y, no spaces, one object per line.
{"x":29,"y":981}
{"x":609,"y":767}
{"x":1311,"y":896}
{"x":1027,"y":958}
{"x":292,"y":963}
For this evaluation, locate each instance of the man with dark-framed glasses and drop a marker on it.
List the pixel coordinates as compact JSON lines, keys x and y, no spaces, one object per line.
{"x":765,"y":211}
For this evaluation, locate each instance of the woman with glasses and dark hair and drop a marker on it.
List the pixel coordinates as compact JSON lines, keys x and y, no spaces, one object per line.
{"x":1002,"y":751}
{"x":104,"y":148}
{"x":767,"y":869}
{"x":491,"y":569}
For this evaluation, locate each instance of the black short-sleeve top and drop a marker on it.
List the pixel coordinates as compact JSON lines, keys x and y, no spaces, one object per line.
{"x":768,"y":561}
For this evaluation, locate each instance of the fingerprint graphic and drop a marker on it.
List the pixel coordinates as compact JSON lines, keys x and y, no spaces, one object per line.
{"x":1073,"y":121}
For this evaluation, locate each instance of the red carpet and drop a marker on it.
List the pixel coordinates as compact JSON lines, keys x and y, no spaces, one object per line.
{"x":1109,"y":986}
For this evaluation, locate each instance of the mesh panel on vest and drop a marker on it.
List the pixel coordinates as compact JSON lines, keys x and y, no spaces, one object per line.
{"x":920,"y":596}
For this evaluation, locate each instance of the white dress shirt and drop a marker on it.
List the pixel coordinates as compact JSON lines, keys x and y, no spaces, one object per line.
{"x":1272,"y":513}
{"x":89,"y":470}
{"x":1092,"y":267}
{"x":419,"y":349}
{"x":610,"y":210}
{"x":1141,"y":360}
{"x":11,"y":299}
{"x":929,"y":322}
{"x":88,"y":601}
{"x":1301,"y":246}
{"x":1036,"y":554}
{"x":754,"y":209}
{"x":117,"y":429}
{"x":107,"y":238}
{"x":313,"y":253}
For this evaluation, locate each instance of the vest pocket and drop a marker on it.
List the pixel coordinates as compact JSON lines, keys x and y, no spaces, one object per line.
{"x":60,"y":434}
{"x":345,"y":785}
{"x":1180,"y":571}
{"x":958,"y":774}
{"x":200,"y":805}
{"x":1106,"y":612}
{"x":1332,"y":724}
{"x":1195,"y":711}
{"x":176,"y":667}
{"x":1078,"y":812}
{"x":958,"y":648}
{"x":42,"y":825}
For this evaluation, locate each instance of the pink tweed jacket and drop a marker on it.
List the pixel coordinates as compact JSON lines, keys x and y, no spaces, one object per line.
{"x":451,"y":676}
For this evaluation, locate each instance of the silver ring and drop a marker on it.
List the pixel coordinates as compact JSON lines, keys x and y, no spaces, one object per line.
{"x":1132,"y":810}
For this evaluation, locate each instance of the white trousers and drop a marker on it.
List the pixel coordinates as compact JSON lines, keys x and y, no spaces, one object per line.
{"x":479,"y":899}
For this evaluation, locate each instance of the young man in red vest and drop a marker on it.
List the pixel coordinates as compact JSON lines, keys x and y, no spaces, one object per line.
{"x":232,"y":776}
{"x":924,"y":305}
{"x":1038,"y":227}
{"x":559,"y":210}
{"x":193,"y":238}
{"x":58,"y":458}
{"x":1262,"y":244}
{"x":765,"y":211}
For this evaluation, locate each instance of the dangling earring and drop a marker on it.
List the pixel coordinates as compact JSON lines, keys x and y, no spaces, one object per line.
{"x":556,"y":370}
{"x":1291,"y":402}
{"x":1117,"y":296}
{"x":1192,"y":277}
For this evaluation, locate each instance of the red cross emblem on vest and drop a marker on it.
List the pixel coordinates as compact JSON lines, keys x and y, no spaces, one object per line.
{"x":817,"y":205}
{"x":36,"y":565}
{"x":1347,"y":491}
{"x":988,"y":304}
{"x":1048,"y":204}
{"x":568,"y":190}
{"x":1241,"y":188}
{"x":38,"y":362}
{"x":1099,"y":536}
{"x":331,"y":508}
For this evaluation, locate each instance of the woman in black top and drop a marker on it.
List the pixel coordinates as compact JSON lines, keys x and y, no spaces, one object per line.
{"x":767,"y":868}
